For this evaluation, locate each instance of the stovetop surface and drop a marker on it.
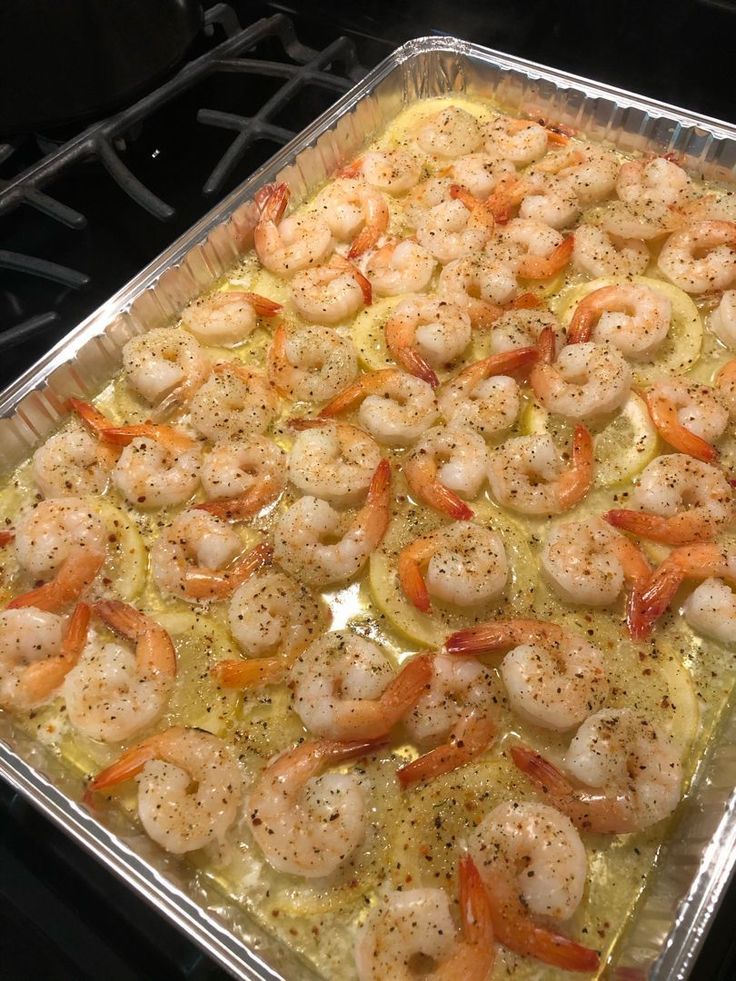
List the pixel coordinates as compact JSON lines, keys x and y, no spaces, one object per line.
{"x":62,"y":916}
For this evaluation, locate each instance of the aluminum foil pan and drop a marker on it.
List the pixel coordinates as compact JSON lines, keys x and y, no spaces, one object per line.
{"x":697,"y":863}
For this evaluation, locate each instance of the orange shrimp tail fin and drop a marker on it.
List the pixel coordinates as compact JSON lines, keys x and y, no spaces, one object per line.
{"x":379,"y":490}
{"x":121,"y":617}
{"x":507,"y":362}
{"x":335,"y":751}
{"x":365,"y":285}
{"x":664,"y":416}
{"x":125,"y":767}
{"x":416,"y":365}
{"x":244,"y":506}
{"x":651,"y":526}
{"x":90,"y":416}
{"x":475,"y":907}
{"x":352,"y":169}
{"x":462,"y":194}
{"x":476,"y":640}
{"x":250,"y":674}
{"x":476,"y":738}
{"x":525,"y":301}
{"x":123,"y":435}
{"x":638,"y":619}
{"x":541,"y":772}
{"x":446,"y":501}
{"x":412,"y":582}
{"x":6,"y":537}
{"x":405,"y":690}
{"x":204,"y":584}
{"x":365,"y":240}
{"x":274,"y":204}
{"x":580,"y":329}
{"x":349,"y":397}
{"x":542,"y":267}
{"x":576,"y":484}
{"x":546,"y":346}
{"x":262,"y":305}
{"x":75,"y":574}
{"x":75,"y":635}
{"x":657,"y":596}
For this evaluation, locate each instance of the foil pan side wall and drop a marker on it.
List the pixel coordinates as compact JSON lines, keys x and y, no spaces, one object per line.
{"x":664,"y":939}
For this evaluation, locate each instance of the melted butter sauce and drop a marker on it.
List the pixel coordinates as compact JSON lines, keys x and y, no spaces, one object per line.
{"x":678,"y":680}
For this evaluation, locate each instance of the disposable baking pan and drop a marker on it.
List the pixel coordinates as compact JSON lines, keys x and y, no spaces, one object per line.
{"x":698,"y":860}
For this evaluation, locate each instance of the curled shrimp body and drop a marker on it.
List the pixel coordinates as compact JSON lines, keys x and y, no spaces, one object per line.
{"x":462,"y":564}
{"x":646,"y":220}
{"x":522,"y":328}
{"x":395,"y":408}
{"x":528,"y":473}
{"x":72,"y":462}
{"x":586,"y":380}
{"x":333,"y":461}
{"x":482,"y":396}
{"x":659,"y":181}
{"x":725,"y":385}
{"x":271,"y":613}
{"x":723,"y":319}
{"x":624,"y":774}
{"x":332,"y":293}
{"x":551,"y":202}
{"x":307,"y":822}
{"x":544,"y":250}
{"x":677,"y":500}
{"x":111,"y":693}
{"x":240,"y":478}
{"x":158,"y":470}
{"x":711,"y":611}
{"x":234,"y":403}
{"x":426,"y":333}
{"x":319,"y":545}
{"x":533,"y":865}
{"x":400,"y":267}
{"x":480,"y":173}
{"x":453,"y":719}
{"x":37,"y":650}
{"x":312,"y":364}
{"x":701,"y":257}
{"x":690,"y":417}
{"x":197,"y":557}
{"x":452,"y":132}
{"x":164,"y":362}
{"x":589,"y":172}
{"x":345,"y":687}
{"x":227,"y":318}
{"x":518,"y":140}
{"x":413,"y":923}
{"x":446,"y":465}
{"x":635,"y":319}
{"x":285,"y":247}
{"x":479,"y":284}
{"x":391,"y":171}
{"x":453,"y":229}
{"x":189,"y":787}
{"x":63,"y":541}
{"x":553,"y":676}
{"x":599,"y":254}
{"x":354,"y":212}
{"x":424,"y":197}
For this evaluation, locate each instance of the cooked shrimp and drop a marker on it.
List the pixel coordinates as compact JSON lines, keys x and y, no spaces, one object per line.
{"x":677,"y":500}
{"x":112,"y":694}
{"x":444,"y":464}
{"x":345,"y":687}
{"x":688,"y":416}
{"x":332,"y":293}
{"x":586,"y":380}
{"x":658,"y":180}
{"x":395,"y":408}
{"x":234,"y":403}
{"x":597,"y":253}
{"x":308,"y":823}
{"x":163,"y":364}
{"x":545,"y":250}
{"x":285,"y":247}
{"x":725,"y":385}
{"x":587,"y":562}
{"x":452,"y":132}
{"x":711,"y":610}
{"x":391,"y":171}
{"x":645,"y":221}
{"x":72,"y":462}
{"x":241,"y":478}
{"x":228,"y":317}
{"x":483,"y":396}
{"x":630,"y":773}
{"x":479,"y":284}
{"x":196,"y":558}
{"x":37,"y":650}
{"x":312,"y":364}
{"x":454,"y":716}
{"x":464,"y":564}
{"x":549,"y":201}
{"x":159,"y":470}
{"x":64,"y":540}
{"x":533,"y":864}
{"x":320,"y":545}
{"x":400,"y":267}
{"x":456,"y":228}
{"x":723,"y":319}
{"x":332,"y":460}
{"x":412,"y":923}
{"x":528,"y":473}
{"x":521,"y":328}
{"x":708,"y":207}
{"x":701,"y":257}
{"x":189,"y":787}
{"x":553,"y":676}
{"x":519,"y":140}
{"x":423,"y":198}
{"x":633,"y":318}
{"x":480,"y":173}
{"x":354,"y":212}
{"x":589,"y":172}
{"x":426,"y":333}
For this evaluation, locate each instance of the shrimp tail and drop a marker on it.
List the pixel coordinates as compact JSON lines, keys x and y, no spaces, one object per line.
{"x":365,"y":240}
{"x":274,"y":204}
{"x":655,"y":599}
{"x":475,"y":907}
{"x":651,"y":526}
{"x":90,"y":416}
{"x":42,"y":678}
{"x":404,"y":691}
{"x":477,"y":735}
{"x":412,"y":582}
{"x":576,"y":483}
{"x":638,"y":617}
{"x":353,"y":393}
{"x":507,"y":362}
{"x":546,"y":346}
{"x":206,"y":584}
{"x":447,"y":501}
{"x":416,"y":365}
{"x":6,"y":537}
{"x":253,"y":673}
{"x":245,"y":505}
{"x":75,"y":574}
{"x":352,"y":169}
{"x":541,"y":267}
{"x":261,"y":304}
{"x":155,"y":652}
{"x":664,"y":416}
{"x":474,"y":641}
{"x":541,"y":772}
{"x":377,"y":499}
{"x":125,"y":767}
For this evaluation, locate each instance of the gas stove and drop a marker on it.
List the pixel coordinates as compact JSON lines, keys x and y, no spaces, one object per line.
{"x":81,"y":212}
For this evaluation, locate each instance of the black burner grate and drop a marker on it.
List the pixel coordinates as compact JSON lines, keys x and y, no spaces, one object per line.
{"x":260,"y":83}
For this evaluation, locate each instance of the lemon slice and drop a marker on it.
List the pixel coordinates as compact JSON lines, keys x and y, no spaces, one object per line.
{"x":682,"y":346}
{"x":368,"y":333}
{"x":623,"y":447}
{"x":126,"y":564}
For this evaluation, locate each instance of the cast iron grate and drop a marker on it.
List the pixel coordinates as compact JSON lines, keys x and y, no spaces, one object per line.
{"x":44,"y":208}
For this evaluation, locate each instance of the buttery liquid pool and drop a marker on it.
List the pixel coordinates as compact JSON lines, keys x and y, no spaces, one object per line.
{"x":678,"y":680}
